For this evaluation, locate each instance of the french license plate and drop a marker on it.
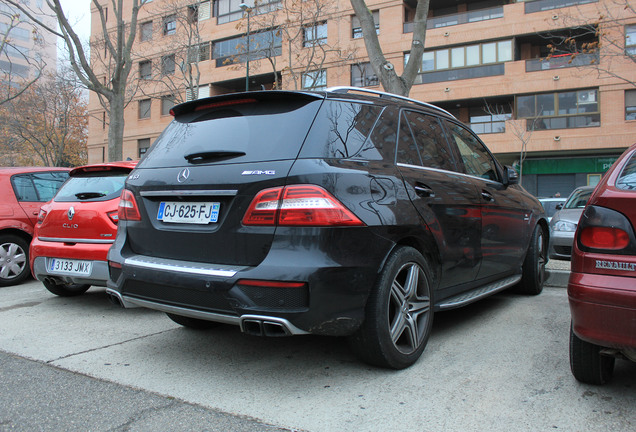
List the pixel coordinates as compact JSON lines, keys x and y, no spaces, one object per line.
{"x":189,"y":212}
{"x":70,"y":267}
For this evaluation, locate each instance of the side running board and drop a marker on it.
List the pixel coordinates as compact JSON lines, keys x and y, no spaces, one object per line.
{"x":478,"y":293}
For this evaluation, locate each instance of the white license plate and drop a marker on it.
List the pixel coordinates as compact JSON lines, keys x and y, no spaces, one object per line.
{"x":70,"y":267}
{"x":189,"y":212}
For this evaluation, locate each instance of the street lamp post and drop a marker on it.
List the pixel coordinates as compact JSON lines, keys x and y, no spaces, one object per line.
{"x":245,"y":8}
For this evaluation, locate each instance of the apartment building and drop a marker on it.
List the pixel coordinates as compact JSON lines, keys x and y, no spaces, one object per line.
{"x":29,"y":50}
{"x":526,"y":75}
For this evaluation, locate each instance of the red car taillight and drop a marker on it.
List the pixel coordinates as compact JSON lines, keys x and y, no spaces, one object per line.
{"x":298,"y":205}
{"x":127,"y":209}
{"x":604,"y":238}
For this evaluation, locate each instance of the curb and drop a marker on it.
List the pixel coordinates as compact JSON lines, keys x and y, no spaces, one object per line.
{"x":557,"y":278}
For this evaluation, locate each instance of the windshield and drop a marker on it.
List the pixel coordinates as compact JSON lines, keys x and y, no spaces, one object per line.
{"x":578,"y":199}
{"x":92,"y":187}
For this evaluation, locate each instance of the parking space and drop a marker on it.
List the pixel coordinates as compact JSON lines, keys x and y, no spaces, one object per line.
{"x":500,"y":364}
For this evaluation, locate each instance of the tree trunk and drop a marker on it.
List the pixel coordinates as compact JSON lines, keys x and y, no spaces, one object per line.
{"x":116,"y":127}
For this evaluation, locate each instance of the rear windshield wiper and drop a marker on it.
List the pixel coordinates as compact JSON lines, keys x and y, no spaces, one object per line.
{"x":89,"y":195}
{"x":212,"y":155}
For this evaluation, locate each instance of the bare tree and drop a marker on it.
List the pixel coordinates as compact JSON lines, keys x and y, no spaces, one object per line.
{"x":49,"y":121}
{"x":17,"y":76}
{"x":108,"y":73}
{"x":602,"y":39}
{"x":385,"y":70}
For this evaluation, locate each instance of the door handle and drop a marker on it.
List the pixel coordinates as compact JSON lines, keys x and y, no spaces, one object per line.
{"x":424,"y":191}
{"x":487,"y":197}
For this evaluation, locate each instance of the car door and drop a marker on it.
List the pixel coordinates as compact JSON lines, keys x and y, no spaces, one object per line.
{"x":446,"y":200}
{"x":504,"y":219}
{"x":34,"y":189}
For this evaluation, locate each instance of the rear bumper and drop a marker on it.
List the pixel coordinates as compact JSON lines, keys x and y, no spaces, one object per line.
{"x":41,"y":251}
{"x":330,"y":300}
{"x":603,"y":309}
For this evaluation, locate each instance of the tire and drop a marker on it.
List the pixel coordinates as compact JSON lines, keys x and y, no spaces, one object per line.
{"x":398,"y":314}
{"x":65,"y":289}
{"x":14,"y":260}
{"x":533,"y":276}
{"x":587,"y":363}
{"x":192,"y":323}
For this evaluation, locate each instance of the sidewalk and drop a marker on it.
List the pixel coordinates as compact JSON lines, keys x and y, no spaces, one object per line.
{"x":558,"y":273}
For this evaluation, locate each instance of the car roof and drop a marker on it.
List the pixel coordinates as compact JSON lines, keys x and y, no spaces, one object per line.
{"x":104,"y":167}
{"x":25,"y":170}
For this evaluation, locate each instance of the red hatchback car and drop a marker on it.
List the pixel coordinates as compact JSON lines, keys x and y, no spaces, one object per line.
{"x":75,"y":230}
{"x":602,"y":285}
{"x":22,"y":191}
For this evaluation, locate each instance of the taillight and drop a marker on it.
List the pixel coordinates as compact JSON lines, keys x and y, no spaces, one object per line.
{"x":298,"y":205}
{"x":604,"y":238}
{"x":114,"y":216}
{"x":41,"y":216}
{"x":127,"y":209}
{"x":602,"y":229}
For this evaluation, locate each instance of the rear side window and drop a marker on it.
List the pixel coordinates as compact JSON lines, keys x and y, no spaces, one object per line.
{"x":422,"y":143}
{"x":341,"y":131}
{"x":92,"y":187}
{"x":258,"y":130}
{"x":476,"y":158}
{"x":627,"y":179}
{"x":37,"y":187}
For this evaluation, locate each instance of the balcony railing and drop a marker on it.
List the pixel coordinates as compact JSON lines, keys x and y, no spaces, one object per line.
{"x":561,"y":61}
{"x":460,"y":18}
{"x":461,"y":74}
{"x":544,"y":5}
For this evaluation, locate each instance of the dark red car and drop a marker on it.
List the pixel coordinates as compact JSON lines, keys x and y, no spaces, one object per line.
{"x":22,"y":191}
{"x":602,"y":285}
{"x":75,"y":230}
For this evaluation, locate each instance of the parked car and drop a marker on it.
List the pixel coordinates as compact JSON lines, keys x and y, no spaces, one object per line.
{"x":563,"y":223}
{"x":602,"y":285}
{"x":344,"y":213}
{"x":22,"y":191}
{"x":76,"y":228}
{"x":552,"y":205}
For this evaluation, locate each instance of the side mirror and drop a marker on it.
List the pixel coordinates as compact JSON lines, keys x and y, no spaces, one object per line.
{"x":511,"y":177}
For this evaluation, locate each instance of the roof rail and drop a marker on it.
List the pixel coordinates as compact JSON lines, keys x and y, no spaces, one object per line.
{"x":346,"y":89}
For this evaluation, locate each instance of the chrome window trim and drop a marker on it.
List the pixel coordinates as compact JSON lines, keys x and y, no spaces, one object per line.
{"x":159,"y":193}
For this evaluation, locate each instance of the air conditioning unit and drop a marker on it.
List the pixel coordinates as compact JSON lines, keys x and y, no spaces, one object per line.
{"x":585,"y":97}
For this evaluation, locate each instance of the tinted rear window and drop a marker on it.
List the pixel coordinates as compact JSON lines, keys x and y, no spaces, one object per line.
{"x":92,"y":187}
{"x":263,"y":130}
{"x":627,"y":179}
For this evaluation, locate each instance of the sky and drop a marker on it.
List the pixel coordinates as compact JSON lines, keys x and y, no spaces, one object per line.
{"x":78,"y":13}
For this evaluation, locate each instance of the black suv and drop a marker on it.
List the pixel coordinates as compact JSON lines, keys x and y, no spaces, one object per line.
{"x":345,"y":212}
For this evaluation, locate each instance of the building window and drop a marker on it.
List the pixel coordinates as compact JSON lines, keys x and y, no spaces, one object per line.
{"x":145,"y":70}
{"x":142,"y":146}
{"x":229,"y":10}
{"x":466,"y":56}
{"x":198,"y":92}
{"x":104,"y":120}
{"x":362,"y":75}
{"x":630,"y":104}
{"x":167,"y":102}
{"x":170,"y":25}
{"x":199,"y":53}
{"x":267,"y":44}
{"x":315,"y":80}
{"x":356,"y":30}
{"x":199,"y":11}
{"x":315,"y":35}
{"x":630,"y":40}
{"x":145,"y":33}
{"x":483,"y":121}
{"x":144,"y":108}
{"x":167,"y":65}
{"x":563,"y":110}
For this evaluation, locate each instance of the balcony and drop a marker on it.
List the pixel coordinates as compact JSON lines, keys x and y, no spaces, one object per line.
{"x":460,"y":18}
{"x":561,"y":61}
{"x":544,"y":5}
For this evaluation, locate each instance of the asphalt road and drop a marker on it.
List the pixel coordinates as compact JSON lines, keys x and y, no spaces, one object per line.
{"x":498,"y":365}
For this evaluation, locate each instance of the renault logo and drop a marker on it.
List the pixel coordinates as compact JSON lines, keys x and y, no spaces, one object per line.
{"x":183,"y":175}
{"x":70,"y":213}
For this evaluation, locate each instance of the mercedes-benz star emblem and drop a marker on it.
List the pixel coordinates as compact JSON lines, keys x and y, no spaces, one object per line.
{"x":70,"y":213}
{"x":183,"y":175}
